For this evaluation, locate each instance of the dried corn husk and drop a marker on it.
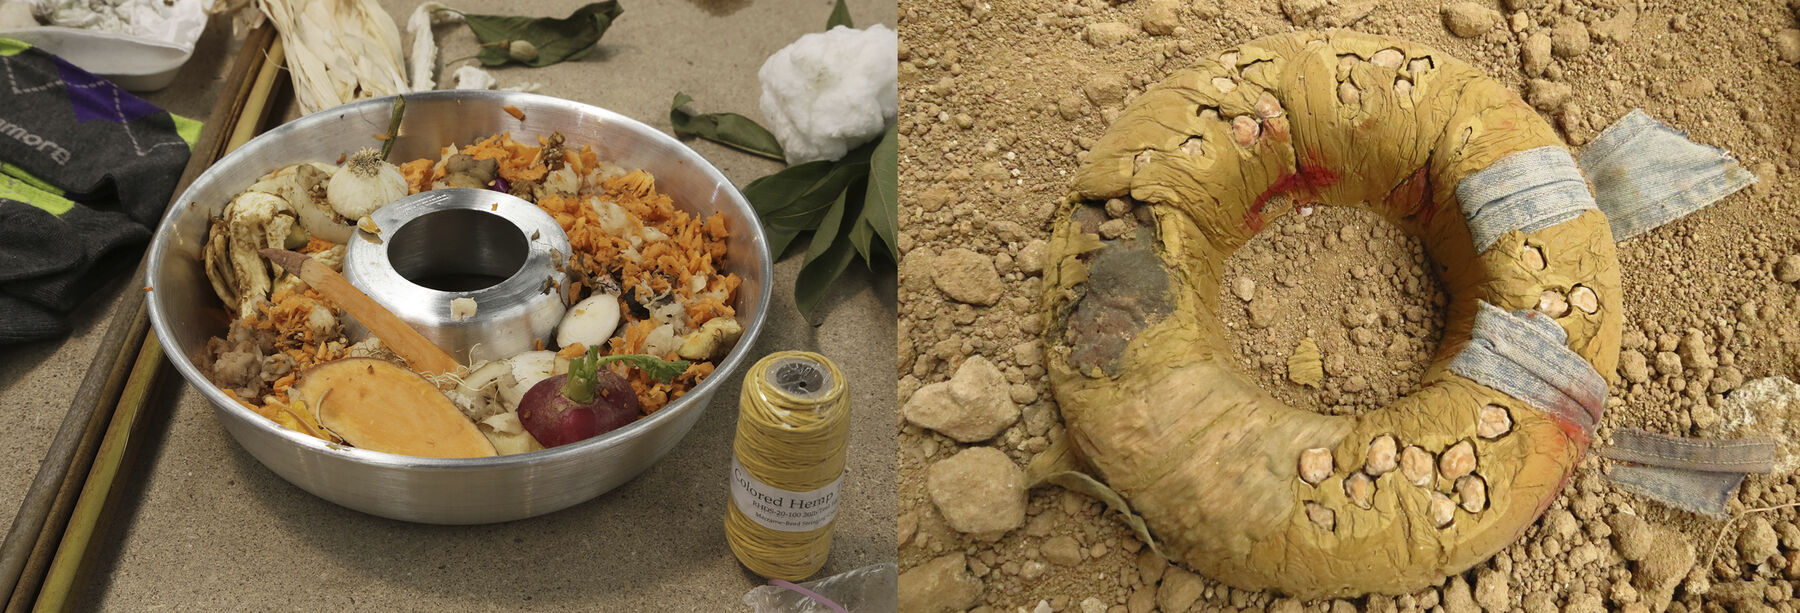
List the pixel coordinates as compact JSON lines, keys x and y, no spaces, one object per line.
{"x":338,"y":50}
{"x":421,"y":63}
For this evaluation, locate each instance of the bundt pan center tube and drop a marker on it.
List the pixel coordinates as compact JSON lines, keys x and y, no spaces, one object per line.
{"x":1232,"y":482}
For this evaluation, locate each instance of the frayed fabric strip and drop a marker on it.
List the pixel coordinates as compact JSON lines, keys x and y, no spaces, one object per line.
{"x":1525,"y":354}
{"x":1693,"y":475}
{"x":1689,"y":490}
{"x":1646,"y":174}
{"x":1750,"y":455}
{"x":1526,"y":191}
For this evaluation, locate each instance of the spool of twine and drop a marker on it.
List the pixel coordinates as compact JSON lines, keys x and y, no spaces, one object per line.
{"x":793,"y":427}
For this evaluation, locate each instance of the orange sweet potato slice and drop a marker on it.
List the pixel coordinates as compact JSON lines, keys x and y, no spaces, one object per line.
{"x":377,"y":405}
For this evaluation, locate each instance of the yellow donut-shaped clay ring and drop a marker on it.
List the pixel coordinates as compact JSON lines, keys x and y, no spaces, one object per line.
{"x":1146,"y":380}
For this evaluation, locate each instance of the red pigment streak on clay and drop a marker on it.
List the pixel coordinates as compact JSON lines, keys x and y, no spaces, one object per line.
{"x":1312,"y":177}
{"x":1416,"y":192}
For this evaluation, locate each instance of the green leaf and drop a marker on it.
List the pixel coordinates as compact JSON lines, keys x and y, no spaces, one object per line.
{"x":798,"y":197}
{"x":828,"y":228}
{"x":555,"y":40}
{"x":826,"y":257}
{"x":860,"y":235}
{"x":658,"y":369}
{"x":729,"y":129}
{"x":883,"y":200}
{"x":778,"y":192}
{"x":840,"y":16}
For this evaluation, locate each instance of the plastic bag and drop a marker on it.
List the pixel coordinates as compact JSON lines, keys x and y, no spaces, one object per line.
{"x":870,"y":589}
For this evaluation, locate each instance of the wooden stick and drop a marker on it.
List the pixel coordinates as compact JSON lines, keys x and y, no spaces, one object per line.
{"x":393,"y":332}
{"x":76,"y":551}
{"x":32,"y":540}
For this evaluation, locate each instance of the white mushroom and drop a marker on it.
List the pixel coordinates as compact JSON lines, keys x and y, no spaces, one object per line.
{"x":591,"y":322}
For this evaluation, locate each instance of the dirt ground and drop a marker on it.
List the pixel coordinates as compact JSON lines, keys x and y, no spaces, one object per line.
{"x":999,"y":102}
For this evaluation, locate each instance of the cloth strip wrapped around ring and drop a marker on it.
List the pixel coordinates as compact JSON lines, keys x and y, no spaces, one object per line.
{"x":1230,"y":481}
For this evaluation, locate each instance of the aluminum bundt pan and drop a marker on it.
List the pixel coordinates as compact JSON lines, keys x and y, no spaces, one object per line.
{"x":185,"y":313}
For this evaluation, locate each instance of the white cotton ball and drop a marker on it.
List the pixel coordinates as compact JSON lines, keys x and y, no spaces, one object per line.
{"x":830,"y":92}
{"x":470,"y":77}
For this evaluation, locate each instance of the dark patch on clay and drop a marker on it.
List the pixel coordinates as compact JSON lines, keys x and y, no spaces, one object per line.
{"x":1089,"y":218}
{"x":1127,"y":289}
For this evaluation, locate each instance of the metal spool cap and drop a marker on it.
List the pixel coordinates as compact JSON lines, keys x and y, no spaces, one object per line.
{"x":437,"y":246}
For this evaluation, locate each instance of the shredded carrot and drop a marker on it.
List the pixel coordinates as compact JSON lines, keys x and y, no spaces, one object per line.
{"x":514,"y":111}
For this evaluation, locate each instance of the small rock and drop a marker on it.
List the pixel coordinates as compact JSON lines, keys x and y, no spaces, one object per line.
{"x":1031,"y":257}
{"x":1704,"y":417}
{"x":1285,"y":605}
{"x":1063,"y":550}
{"x":1105,"y":88}
{"x":1302,"y":13}
{"x":1244,"y":288}
{"x":1757,"y":543}
{"x":1618,"y":29}
{"x":1569,"y":38}
{"x":1458,"y":598}
{"x":1491,"y":590}
{"x":1263,"y":313}
{"x":1092,"y":605}
{"x":1109,"y":33}
{"x":1457,"y":461}
{"x":1697,"y":87}
{"x":1667,"y":363}
{"x":1561,"y":523}
{"x":1787,"y":270}
{"x":1539,"y":602}
{"x":1116,"y":228}
{"x":1662,"y":570}
{"x":1634,"y":366}
{"x":1548,"y":96}
{"x":1693,"y":350}
{"x":1631,"y":536}
{"x":1469,"y":20}
{"x":966,"y":276}
{"x":1787,"y":46}
{"x":1534,"y":56}
{"x":1180,"y":589}
{"x":1584,"y":602}
{"x":973,"y":406}
{"x":1142,"y":600}
{"x":943,"y":585}
{"x":978,"y":491}
{"x":1150,"y":566}
{"x":1162,"y":17}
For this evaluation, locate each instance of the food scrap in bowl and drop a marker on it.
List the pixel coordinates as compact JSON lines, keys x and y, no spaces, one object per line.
{"x":650,"y":308}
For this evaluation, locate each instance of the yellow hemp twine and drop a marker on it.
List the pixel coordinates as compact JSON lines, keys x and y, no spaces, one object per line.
{"x":793,"y":426}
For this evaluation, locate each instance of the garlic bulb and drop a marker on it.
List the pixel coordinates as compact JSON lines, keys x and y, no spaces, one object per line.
{"x":363,"y":184}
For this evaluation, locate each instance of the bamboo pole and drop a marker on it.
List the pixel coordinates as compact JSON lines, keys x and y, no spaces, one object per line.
{"x":66,"y":525}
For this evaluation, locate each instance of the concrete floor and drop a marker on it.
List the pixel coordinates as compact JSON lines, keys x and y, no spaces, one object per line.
{"x":203,"y":526}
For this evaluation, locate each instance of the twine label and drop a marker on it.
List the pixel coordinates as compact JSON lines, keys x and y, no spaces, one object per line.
{"x":778,"y":509}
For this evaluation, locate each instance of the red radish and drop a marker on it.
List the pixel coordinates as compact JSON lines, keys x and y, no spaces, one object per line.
{"x":584,"y":403}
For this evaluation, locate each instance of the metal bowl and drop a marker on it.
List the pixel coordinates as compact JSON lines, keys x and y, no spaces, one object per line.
{"x":185,"y":313}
